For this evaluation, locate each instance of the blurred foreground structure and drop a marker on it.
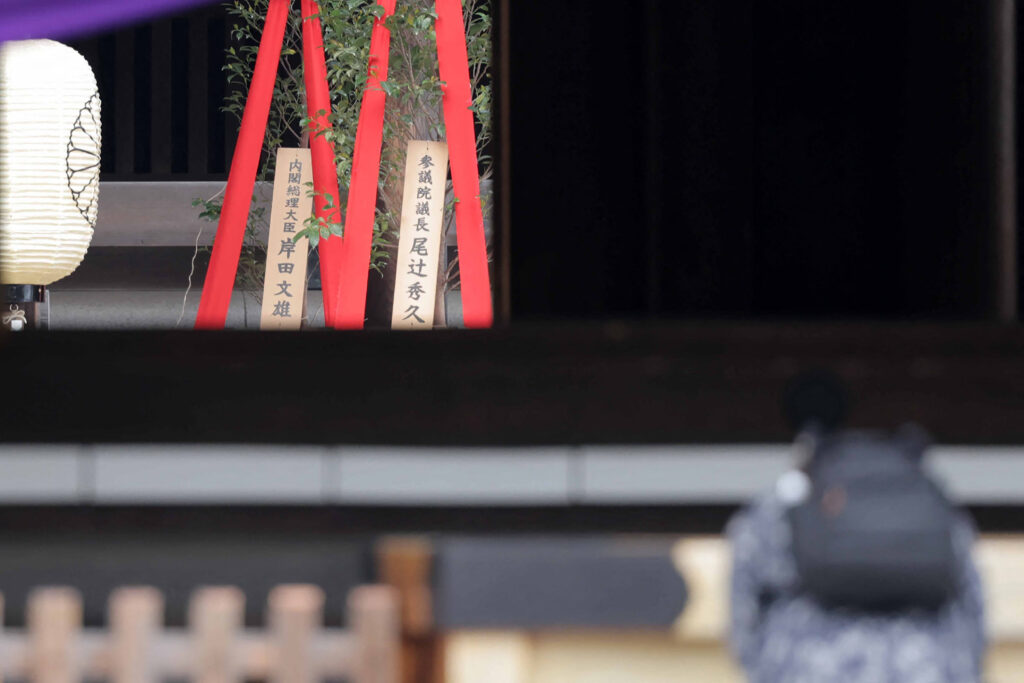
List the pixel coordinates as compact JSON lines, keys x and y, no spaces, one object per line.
{"x":421,"y":630}
{"x":136,"y":648}
{"x":583,"y":564}
{"x":693,"y":646}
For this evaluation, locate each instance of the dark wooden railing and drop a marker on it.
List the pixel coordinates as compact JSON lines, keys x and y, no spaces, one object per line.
{"x":162,"y":85}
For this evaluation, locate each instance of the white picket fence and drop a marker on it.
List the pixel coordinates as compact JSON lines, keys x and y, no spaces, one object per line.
{"x":215,"y":648}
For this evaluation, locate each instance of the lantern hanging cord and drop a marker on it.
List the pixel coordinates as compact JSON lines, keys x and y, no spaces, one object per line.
{"x":15,"y":314}
{"x":92,"y":170}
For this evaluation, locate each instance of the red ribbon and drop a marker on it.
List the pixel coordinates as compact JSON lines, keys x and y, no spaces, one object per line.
{"x":453,"y":64}
{"x":350,"y":299}
{"x":227,"y":245}
{"x":325,"y":172}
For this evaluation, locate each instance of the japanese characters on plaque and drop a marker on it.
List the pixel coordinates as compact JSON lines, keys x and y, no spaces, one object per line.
{"x":284,"y":287}
{"x":420,"y":235}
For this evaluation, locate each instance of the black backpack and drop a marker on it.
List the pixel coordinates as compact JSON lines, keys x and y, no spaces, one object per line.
{"x":874,"y":533}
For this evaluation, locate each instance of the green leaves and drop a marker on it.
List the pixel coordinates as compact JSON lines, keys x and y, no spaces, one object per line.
{"x":211,"y":208}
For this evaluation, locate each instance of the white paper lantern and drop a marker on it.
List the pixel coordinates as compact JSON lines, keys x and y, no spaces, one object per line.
{"x":49,"y":160}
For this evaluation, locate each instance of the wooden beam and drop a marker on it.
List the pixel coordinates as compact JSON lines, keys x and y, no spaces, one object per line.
{"x":564,"y":384}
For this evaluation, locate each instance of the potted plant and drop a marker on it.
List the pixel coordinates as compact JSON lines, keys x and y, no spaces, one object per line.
{"x":413,"y":112}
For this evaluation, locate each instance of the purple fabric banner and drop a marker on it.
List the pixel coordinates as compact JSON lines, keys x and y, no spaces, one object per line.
{"x":60,"y":19}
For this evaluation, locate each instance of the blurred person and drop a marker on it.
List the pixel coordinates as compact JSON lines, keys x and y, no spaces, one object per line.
{"x":855,"y":568}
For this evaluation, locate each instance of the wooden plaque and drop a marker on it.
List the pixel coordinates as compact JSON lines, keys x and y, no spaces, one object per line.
{"x":420,"y":237}
{"x":284,"y":286}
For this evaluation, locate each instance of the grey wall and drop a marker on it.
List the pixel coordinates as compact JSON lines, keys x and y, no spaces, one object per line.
{"x":353,"y":475}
